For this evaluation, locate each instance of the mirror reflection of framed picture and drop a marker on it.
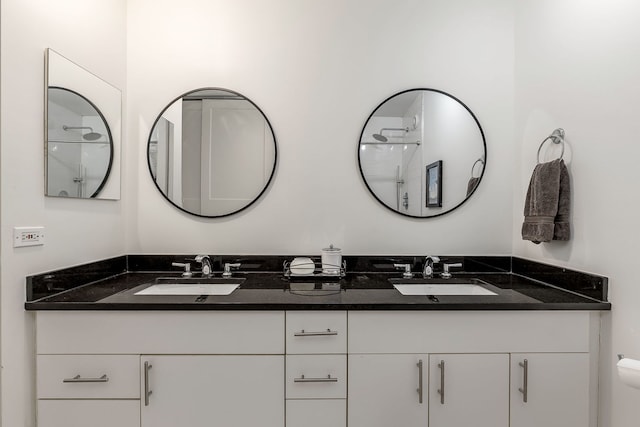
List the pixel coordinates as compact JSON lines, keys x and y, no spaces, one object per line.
{"x":434,"y":185}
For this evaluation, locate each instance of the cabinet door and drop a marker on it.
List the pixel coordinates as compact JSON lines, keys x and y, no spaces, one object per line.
{"x":557,"y":390}
{"x":469,"y":390}
{"x":387,"y":390}
{"x":199,"y":391}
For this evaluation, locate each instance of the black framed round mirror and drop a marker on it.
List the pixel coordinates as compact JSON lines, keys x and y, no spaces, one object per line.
{"x":422,"y":153}
{"x":79,"y":145}
{"x":212,"y":152}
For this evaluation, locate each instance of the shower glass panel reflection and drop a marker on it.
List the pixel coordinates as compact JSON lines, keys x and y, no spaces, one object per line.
{"x":390,"y":155}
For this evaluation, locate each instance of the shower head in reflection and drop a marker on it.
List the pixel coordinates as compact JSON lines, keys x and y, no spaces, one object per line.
{"x":380,"y":137}
{"x":90,"y":136}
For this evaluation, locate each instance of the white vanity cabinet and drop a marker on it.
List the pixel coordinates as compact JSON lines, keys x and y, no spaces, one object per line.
{"x":154,"y":369}
{"x":317,"y":368}
{"x":481,"y":353}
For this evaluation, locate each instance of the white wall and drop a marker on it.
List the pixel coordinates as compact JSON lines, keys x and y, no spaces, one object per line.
{"x":317,"y":70}
{"x":577,"y":67}
{"x":91,"y":33}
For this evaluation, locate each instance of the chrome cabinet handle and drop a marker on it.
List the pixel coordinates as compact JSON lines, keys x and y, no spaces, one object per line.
{"x":441,"y":389}
{"x":525,"y":383}
{"x":328,"y":379}
{"x":303,"y":333}
{"x":147,"y":391}
{"x":419,"y":389}
{"x":79,"y":379}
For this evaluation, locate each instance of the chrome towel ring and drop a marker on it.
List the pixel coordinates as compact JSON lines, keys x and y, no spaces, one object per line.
{"x":557,"y":137}
{"x":481,"y":161}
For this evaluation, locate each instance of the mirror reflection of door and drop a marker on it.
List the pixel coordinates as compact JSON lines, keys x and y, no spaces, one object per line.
{"x":221,"y":154}
{"x":237,"y":150}
{"x":159,"y":146}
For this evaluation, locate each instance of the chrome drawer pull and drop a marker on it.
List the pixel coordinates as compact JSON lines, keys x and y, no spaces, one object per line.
{"x":147,"y":390}
{"x":79,"y":379}
{"x":302,"y":333}
{"x":419,"y":389}
{"x":302,"y":379}
{"x":441,"y":389}
{"x":525,"y":381}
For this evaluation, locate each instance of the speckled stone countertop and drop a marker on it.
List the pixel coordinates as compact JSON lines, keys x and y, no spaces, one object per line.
{"x":368,"y":285}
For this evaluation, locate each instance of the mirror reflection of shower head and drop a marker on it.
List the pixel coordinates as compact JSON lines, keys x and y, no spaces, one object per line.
{"x":380,"y":137}
{"x":90,"y":136}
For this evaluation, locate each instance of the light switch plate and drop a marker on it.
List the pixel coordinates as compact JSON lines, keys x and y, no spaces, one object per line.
{"x":28,"y":236}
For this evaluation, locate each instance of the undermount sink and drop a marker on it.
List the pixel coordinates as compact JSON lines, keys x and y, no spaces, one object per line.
{"x":192,"y":286}
{"x":443,"y":288}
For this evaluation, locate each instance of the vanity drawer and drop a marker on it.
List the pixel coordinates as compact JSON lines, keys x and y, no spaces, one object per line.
{"x":528,"y":331}
{"x":316,"y":332}
{"x":94,"y":413}
{"x":317,"y":413}
{"x":88,"y":377}
{"x":316,"y":377}
{"x":160,"y":332}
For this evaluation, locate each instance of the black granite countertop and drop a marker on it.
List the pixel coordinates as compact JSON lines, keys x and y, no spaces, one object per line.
{"x":112,"y":285}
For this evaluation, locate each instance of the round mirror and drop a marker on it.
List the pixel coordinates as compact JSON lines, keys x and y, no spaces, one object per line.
{"x":79,"y":145}
{"x":212,"y":152}
{"x":422,"y":153}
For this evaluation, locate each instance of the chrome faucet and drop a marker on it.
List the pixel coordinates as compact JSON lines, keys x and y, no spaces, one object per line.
{"x":429,"y":261}
{"x":227,"y":268}
{"x":205,"y":261}
{"x":446,"y":274}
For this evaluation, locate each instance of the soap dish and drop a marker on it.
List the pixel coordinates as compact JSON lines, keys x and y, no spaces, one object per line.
{"x":302,"y":266}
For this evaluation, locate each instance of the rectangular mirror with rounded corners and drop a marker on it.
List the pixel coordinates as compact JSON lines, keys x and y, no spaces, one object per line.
{"x":83,"y":115}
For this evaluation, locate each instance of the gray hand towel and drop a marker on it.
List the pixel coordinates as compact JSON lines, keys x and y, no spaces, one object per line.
{"x":472,"y":184}
{"x":546,"y":208}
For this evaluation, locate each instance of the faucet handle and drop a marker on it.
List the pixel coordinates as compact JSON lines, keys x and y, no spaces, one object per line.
{"x":227,"y":268}
{"x":186,"y":266}
{"x":407,"y":274}
{"x":446,"y":266}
